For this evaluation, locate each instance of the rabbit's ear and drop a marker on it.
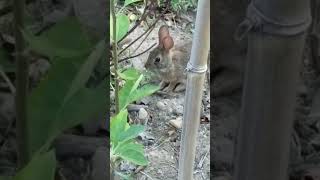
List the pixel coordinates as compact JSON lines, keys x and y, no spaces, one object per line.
{"x":163,"y":32}
{"x":167,"y":43}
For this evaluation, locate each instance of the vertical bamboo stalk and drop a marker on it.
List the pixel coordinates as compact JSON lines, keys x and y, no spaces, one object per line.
{"x":21,"y":85}
{"x":115,"y":54}
{"x":113,"y":176}
{"x":274,"y":57}
{"x":196,"y":74}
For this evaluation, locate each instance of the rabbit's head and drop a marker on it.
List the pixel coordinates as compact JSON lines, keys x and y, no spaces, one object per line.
{"x":160,"y":57}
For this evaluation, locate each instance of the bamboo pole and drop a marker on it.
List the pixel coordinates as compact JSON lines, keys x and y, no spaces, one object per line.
{"x":197,"y":68}
{"x":115,"y":54}
{"x":275,"y":49}
{"x":21,"y":85}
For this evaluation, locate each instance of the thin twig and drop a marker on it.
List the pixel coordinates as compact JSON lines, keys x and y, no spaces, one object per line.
{"x":143,"y":40}
{"x":143,"y":17}
{"x":151,"y":27}
{"x":148,"y":31}
{"x":121,"y":60}
{"x":5,"y":77}
{"x":146,"y":175}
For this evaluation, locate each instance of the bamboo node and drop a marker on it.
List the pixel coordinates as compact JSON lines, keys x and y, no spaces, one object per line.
{"x":196,"y":69}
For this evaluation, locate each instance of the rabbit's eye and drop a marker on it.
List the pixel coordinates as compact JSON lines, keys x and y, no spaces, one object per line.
{"x":157,"y":60}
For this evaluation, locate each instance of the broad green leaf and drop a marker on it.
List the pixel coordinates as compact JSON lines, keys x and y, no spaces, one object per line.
{"x":136,"y":84}
{"x":124,"y":94}
{"x":41,"y":167}
{"x":131,"y":133}
{"x":70,"y":34}
{"x":49,"y":114}
{"x":86,"y":69}
{"x":65,"y":39}
{"x":142,"y":92}
{"x":122,"y":26}
{"x":133,"y":153}
{"x":43,"y":46}
{"x":128,"y":2}
{"x":129,"y":74}
{"x":117,"y":125}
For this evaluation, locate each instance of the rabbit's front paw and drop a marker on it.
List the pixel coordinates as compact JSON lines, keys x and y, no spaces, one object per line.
{"x":170,"y":88}
{"x":181,"y":87}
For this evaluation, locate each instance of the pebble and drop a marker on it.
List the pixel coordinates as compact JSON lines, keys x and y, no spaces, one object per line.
{"x":161,"y":105}
{"x":178,"y":109}
{"x":177,"y":123}
{"x":143,"y":114}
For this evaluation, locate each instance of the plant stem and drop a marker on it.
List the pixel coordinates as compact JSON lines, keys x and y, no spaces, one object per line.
{"x":115,"y":55}
{"x":21,"y":86}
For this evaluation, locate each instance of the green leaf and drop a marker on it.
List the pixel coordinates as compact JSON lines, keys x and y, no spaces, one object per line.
{"x":118,"y":125}
{"x":122,"y":26}
{"x":142,"y":92}
{"x":131,"y":133}
{"x":128,"y":2}
{"x":86,"y":69}
{"x":127,"y":91}
{"x":124,"y":94}
{"x":49,"y":114}
{"x":41,"y":167}
{"x":133,"y":152}
{"x":136,"y":84}
{"x":65,"y":39}
{"x":129,"y":74}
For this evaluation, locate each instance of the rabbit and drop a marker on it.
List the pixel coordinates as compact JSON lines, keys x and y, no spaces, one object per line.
{"x":168,"y":62}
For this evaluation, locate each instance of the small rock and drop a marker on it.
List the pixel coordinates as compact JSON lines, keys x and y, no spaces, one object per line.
{"x":112,"y":95}
{"x":139,"y":168}
{"x":146,"y":100}
{"x":177,"y":123}
{"x":126,"y":166}
{"x":178,"y":109}
{"x":171,"y":133}
{"x":143,"y":114}
{"x":161,"y":105}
